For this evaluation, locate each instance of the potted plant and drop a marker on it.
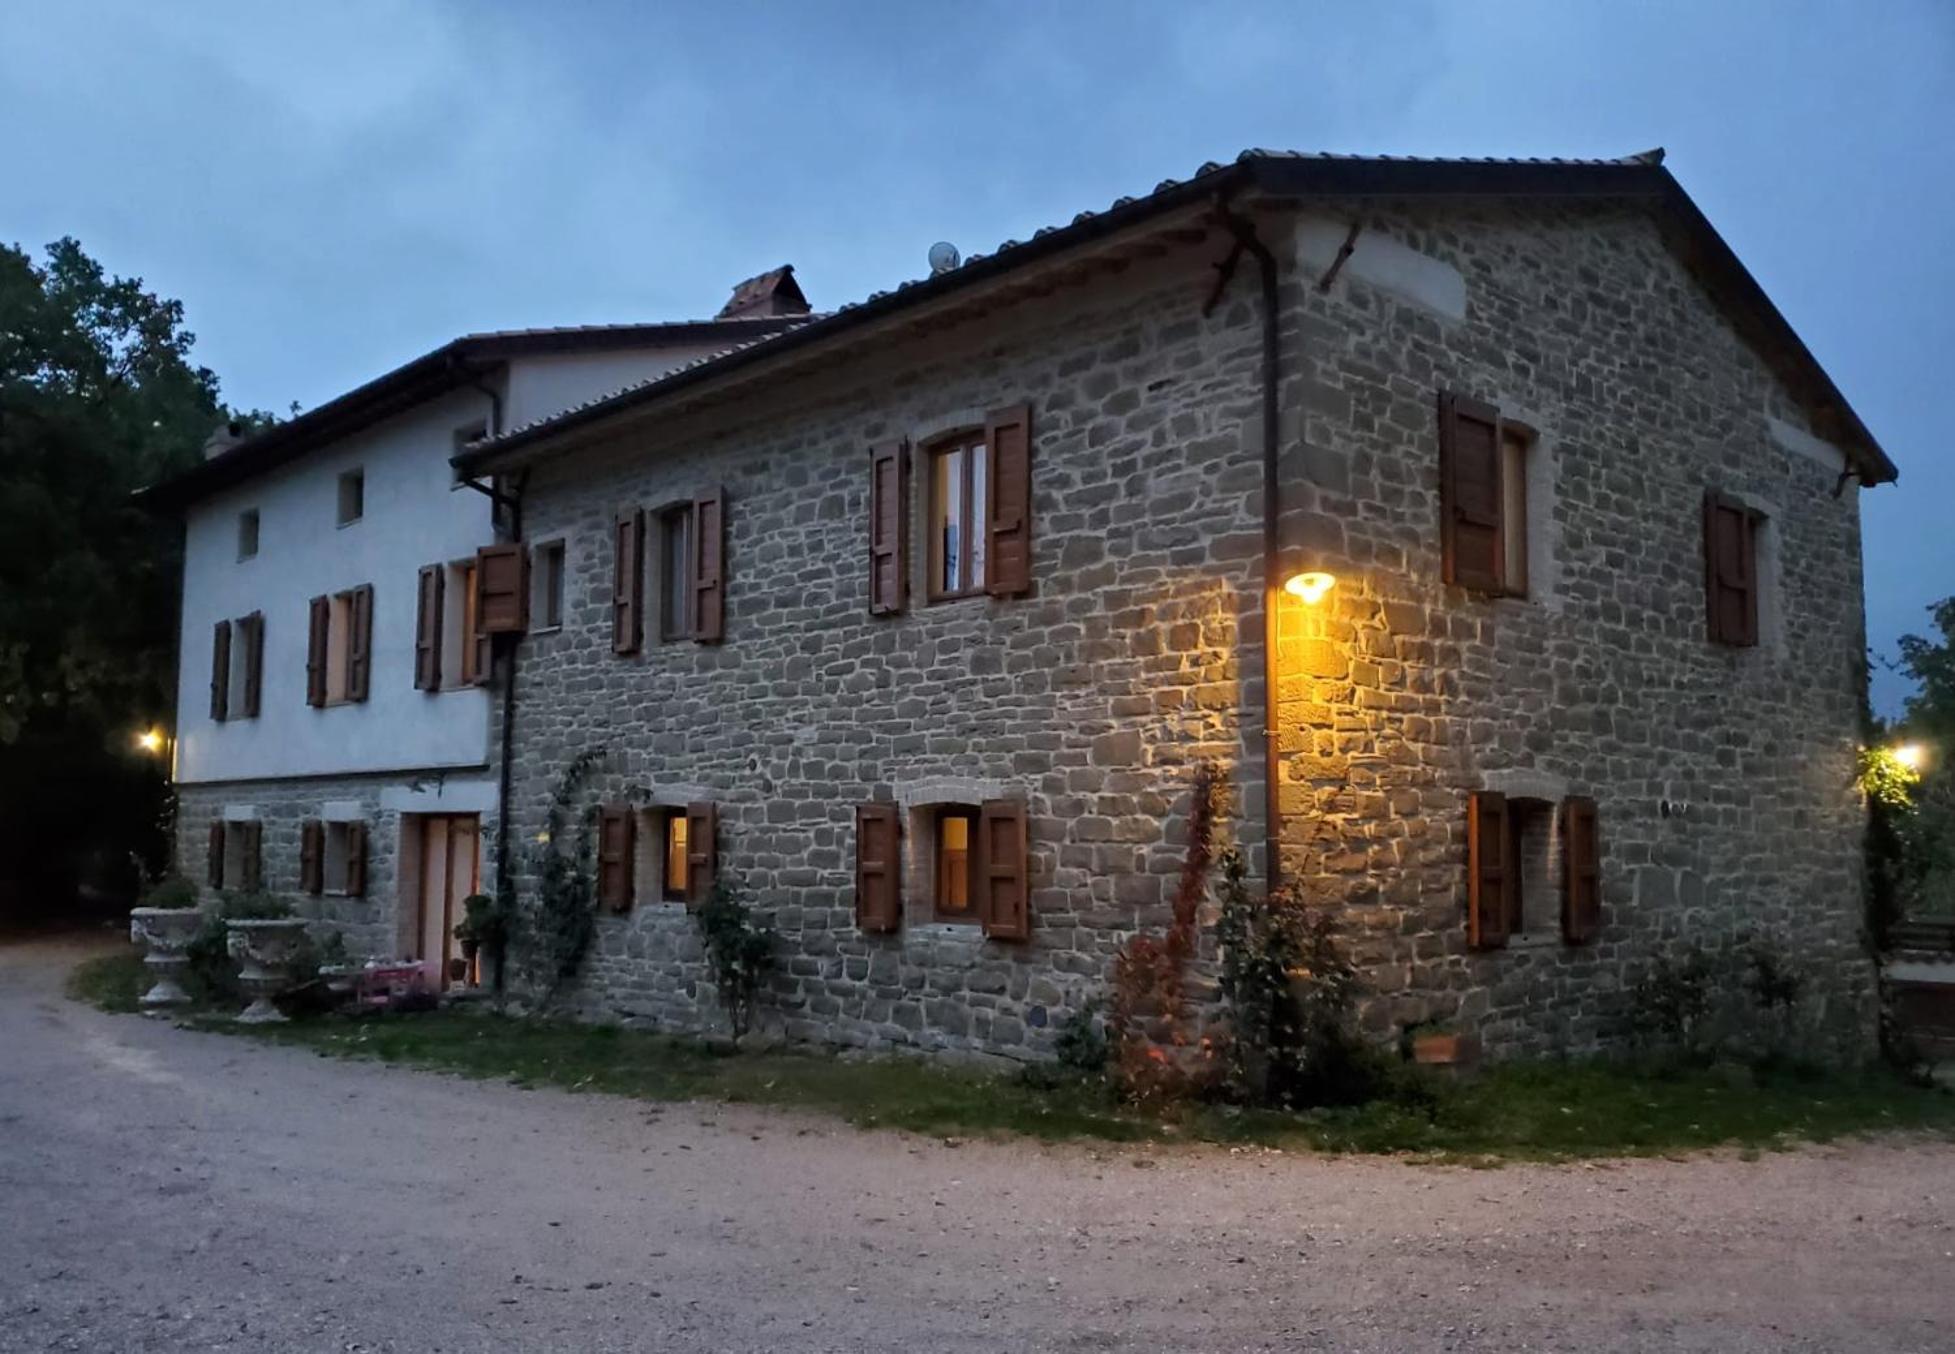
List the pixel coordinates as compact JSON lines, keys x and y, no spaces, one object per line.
{"x":264,"y":937}
{"x":483,"y":929}
{"x":1436,"y":1046}
{"x":164,"y":925}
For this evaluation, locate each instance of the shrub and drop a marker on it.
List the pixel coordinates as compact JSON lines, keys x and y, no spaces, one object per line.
{"x":740,"y":952}
{"x":1081,"y":1044}
{"x":171,"y":891}
{"x":212,"y":975}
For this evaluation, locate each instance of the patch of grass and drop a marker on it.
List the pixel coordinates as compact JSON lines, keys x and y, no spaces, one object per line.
{"x":114,"y":982}
{"x":1528,"y":1111}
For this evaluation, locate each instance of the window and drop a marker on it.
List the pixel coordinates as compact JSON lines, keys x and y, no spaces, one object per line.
{"x":959,"y":483}
{"x":339,"y":647}
{"x":333,"y":857}
{"x":956,"y":832}
{"x":1732,"y":532}
{"x":1484,"y":463}
{"x":1530,"y":866}
{"x":546,"y":580}
{"x":235,"y":858}
{"x":237,"y":667}
{"x":352,"y":496}
{"x":460,"y":659}
{"x":247,"y":533}
{"x":675,"y":573}
{"x":673,"y":863}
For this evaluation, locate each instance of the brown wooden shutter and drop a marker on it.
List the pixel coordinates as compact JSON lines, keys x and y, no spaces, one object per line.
{"x":1730,"y":570}
{"x":889,"y":527}
{"x":1008,"y":507}
{"x":614,"y":856}
{"x":628,"y":582}
{"x":1005,"y":898}
{"x":1472,"y":547}
{"x":1488,"y":870}
{"x":709,"y":567}
{"x":359,"y":647}
{"x":501,"y":590}
{"x":702,"y":851}
{"x":312,"y":856}
{"x":220,"y":672}
{"x":254,"y":663}
{"x":356,"y":860}
{"x":878,"y":893}
{"x":427,"y":627}
{"x":252,"y":834}
{"x":1581,"y":860}
{"x":318,"y":627}
{"x":214,"y":860}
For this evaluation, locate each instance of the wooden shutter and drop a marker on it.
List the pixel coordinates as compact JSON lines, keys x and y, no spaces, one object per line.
{"x":1581,"y":860}
{"x":702,"y":851}
{"x":709,"y":567}
{"x":1488,"y":870}
{"x":427,"y":627}
{"x":501,"y":590}
{"x":1008,"y":505}
{"x":614,"y":853}
{"x":1730,"y":570}
{"x":318,"y":627}
{"x":312,"y":856}
{"x":878,"y":895}
{"x":1472,"y":545}
{"x":356,"y":860}
{"x":220,"y":672}
{"x":253,"y":840}
{"x":359,"y":646}
{"x":628,"y":582}
{"x":253,"y":627}
{"x":1004,"y":898}
{"x":889,"y":527}
{"x":214,"y":860}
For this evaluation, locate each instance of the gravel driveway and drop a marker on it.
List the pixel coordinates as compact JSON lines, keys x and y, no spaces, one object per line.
{"x":168,"y":1190}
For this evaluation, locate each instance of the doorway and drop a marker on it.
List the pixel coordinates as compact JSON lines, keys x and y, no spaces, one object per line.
{"x":448,"y":870}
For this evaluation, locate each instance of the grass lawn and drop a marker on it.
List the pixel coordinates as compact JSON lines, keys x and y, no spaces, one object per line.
{"x":1541,"y":1110}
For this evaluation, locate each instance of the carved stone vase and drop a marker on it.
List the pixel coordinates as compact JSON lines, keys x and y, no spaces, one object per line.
{"x":165,"y":934}
{"x":264,"y":949}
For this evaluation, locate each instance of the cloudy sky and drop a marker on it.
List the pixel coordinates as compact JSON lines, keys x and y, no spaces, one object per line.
{"x":332,"y":189}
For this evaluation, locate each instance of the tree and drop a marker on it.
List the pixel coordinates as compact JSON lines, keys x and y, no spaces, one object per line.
{"x":98,"y":397}
{"x":1925,"y":832}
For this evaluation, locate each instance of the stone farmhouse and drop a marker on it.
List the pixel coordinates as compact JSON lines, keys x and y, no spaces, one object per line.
{"x":1482,"y":521}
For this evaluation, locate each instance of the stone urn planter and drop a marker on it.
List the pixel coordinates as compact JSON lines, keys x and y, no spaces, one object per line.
{"x":165,"y":934}
{"x":264,"y":948}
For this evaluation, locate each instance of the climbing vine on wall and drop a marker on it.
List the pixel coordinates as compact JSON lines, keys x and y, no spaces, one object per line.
{"x":559,"y":922}
{"x":1155,"y":1055}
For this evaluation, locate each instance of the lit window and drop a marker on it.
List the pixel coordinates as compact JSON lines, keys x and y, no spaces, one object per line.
{"x":247,"y":533}
{"x":956,"y":829}
{"x":352,"y":496}
{"x":959,"y":478}
{"x":675,"y":856}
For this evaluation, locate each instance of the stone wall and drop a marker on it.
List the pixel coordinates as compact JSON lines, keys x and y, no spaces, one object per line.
{"x":1404,"y":695}
{"x":1138,"y":653}
{"x":1091,"y":699}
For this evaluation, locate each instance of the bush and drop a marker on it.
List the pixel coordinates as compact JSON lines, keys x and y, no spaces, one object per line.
{"x":1743,"y":998}
{"x":1081,"y":1045}
{"x":171,"y":891}
{"x":740,"y":952}
{"x":212,"y":976}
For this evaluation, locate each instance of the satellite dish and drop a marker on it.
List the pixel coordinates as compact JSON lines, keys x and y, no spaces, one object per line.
{"x":943,"y":257}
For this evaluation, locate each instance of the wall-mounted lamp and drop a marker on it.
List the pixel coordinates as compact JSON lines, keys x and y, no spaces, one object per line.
{"x":1312,"y":585}
{"x":1909,"y":756}
{"x":151,"y":741}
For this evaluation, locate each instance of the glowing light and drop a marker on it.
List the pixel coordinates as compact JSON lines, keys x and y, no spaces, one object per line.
{"x":1312,"y":586}
{"x":150,"y":740}
{"x":1909,"y":756}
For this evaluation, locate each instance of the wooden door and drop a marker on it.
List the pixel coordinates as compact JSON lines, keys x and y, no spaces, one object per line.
{"x":450,"y":872}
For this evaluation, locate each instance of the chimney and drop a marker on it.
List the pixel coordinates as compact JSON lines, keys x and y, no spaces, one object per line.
{"x":223,"y":439}
{"x":765,"y":297}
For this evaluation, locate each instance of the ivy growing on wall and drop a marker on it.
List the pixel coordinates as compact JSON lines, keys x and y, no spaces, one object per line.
{"x":558,"y":924}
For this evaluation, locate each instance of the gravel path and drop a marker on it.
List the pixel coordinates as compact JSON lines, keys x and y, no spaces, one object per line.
{"x":168,"y":1190}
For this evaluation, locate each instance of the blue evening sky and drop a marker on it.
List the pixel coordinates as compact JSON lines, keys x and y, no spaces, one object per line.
{"x":332,"y":189}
